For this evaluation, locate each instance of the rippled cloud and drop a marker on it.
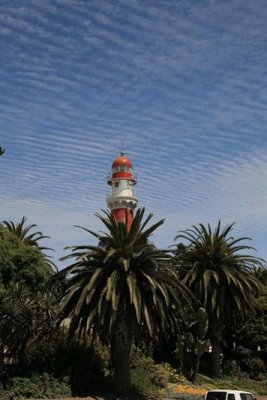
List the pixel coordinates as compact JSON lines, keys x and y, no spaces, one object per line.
{"x":182,"y":84}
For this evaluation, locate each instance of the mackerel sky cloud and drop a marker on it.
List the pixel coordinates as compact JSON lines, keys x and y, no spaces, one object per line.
{"x":182,"y":83}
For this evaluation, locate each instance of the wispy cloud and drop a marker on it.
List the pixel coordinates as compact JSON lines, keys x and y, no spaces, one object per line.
{"x":181,"y":83}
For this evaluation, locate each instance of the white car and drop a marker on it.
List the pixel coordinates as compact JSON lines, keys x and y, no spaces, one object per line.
{"x":228,"y":394}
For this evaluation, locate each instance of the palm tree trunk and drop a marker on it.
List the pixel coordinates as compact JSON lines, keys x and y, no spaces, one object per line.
{"x":216,"y":358}
{"x":121,"y":348}
{"x":1,"y":358}
{"x":215,"y":333}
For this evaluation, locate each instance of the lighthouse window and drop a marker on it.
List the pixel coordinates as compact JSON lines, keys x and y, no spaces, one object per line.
{"x":124,"y":168}
{"x":121,"y":168}
{"x":117,"y":184}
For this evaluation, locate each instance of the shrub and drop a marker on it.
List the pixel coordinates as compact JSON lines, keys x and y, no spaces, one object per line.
{"x":174,"y":376}
{"x":254,"y":367}
{"x":146,"y":374}
{"x":232,"y":368}
{"x":40,"y":386}
{"x":60,"y":357}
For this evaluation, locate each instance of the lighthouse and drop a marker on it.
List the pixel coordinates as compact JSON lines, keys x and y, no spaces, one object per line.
{"x":122,"y":200}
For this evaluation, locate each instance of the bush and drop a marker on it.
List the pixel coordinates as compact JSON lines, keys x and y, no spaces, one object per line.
{"x":232,"y":368}
{"x":85,"y":363}
{"x":40,"y":386}
{"x":146,"y":374}
{"x":59,"y":357}
{"x":254,"y":367}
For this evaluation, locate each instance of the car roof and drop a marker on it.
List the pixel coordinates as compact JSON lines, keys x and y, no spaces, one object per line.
{"x":229,"y":390}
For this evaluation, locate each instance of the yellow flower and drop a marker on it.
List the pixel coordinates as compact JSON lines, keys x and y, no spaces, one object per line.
{"x":190,"y":390}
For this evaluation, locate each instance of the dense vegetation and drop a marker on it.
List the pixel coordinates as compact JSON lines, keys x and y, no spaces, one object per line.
{"x":125,"y":315}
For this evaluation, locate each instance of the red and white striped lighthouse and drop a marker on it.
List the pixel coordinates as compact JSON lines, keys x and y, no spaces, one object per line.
{"x":122,"y":200}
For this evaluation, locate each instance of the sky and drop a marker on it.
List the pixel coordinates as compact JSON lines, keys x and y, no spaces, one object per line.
{"x":182,"y":84}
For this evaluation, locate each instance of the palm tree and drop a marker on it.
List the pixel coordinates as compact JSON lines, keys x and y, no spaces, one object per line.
{"x":213,"y":266}
{"x":121,"y":289}
{"x":28,"y":238}
{"x":21,"y":231}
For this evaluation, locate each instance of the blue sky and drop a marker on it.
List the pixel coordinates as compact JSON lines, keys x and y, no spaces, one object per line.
{"x":182,"y":83}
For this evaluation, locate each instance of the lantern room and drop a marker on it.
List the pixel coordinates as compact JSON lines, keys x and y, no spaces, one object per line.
{"x":122,"y":169}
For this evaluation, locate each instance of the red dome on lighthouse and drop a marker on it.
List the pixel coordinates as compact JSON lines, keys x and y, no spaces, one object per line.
{"x":122,"y":161}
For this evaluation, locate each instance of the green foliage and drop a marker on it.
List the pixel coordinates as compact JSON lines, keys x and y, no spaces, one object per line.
{"x":254,"y":367}
{"x":174,"y":376}
{"x":27,"y":309}
{"x":260,"y":273}
{"x":60,"y":356}
{"x":25,"y":317}
{"x":188,"y":344}
{"x":40,"y":386}
{"x":21,"y":262}
{"x":232,"y":368}
{"x":122,"y":289}
{"x":253,"y":332}
{"x":218,"y":273}
{"x":192,"y":342}
{"x":147,"y":375}
{"x":126,"y":270}
{"x":85,"y":363}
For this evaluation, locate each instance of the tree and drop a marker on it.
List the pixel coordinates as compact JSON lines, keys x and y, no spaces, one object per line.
{"x":253,"y":332}
{"x":22,"y":259}
{"x":25,"y":317}
{"x":24,"y":235}
{"x":218,"y":275}
{"x":260,"y":273}
{"x":24,"y":274}
{"x":122,"y":288}
{"x":192,"y":343}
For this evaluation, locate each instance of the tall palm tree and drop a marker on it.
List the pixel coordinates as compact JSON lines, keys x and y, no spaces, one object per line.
{"x":122,"y":288}
{"x":213,"y":266}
